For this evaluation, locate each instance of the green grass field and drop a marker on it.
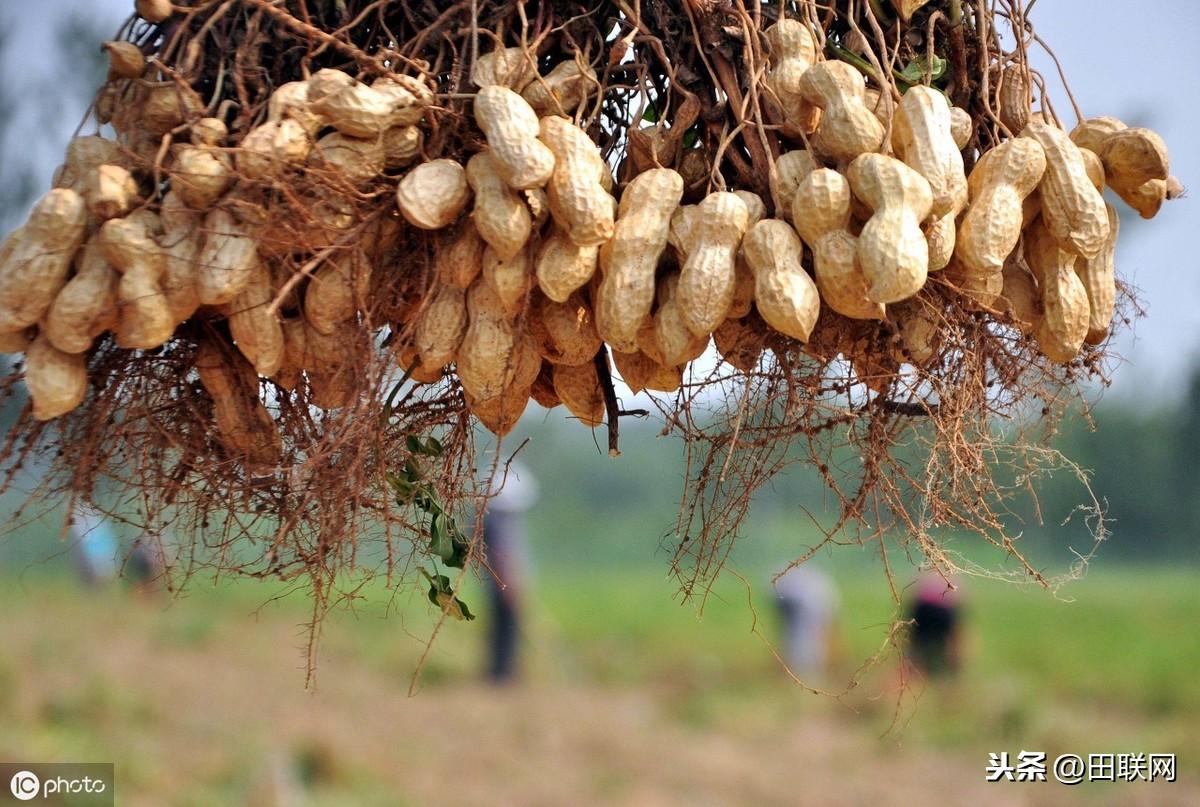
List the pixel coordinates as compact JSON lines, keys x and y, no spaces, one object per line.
{"x":201,"y":700}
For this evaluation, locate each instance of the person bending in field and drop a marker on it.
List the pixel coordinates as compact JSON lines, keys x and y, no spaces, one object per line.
{"x":935,"y":638}
{"x":505,"y":541}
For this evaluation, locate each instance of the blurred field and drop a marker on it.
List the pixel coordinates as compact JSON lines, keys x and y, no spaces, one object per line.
{"x":629,"y":698}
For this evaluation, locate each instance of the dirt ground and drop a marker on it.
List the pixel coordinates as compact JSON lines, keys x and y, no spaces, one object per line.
{"x":197,"y":710}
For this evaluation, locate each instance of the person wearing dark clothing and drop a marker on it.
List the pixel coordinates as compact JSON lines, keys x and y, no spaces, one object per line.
{"x":504,"y":537}
{"x":934,"y":638}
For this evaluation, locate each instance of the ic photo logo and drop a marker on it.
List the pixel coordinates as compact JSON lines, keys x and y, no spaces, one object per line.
{"x":25,"y":785}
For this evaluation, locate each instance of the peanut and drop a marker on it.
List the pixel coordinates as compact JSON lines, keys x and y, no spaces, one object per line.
{"x":441,"y":327}
{"x":961,"y":127}
{"x":268,"y":148}
{"x":244,"y":426}
{"x":57,"y":381}
{"x":917,"y":322}
{"x":87,"y":305}
{"x":785,"y":296}
{"x":154,"y":10}
{"x":640,"y":372}
{"x":629,"y":261}
{"x":1065,"y":310}
{"x":673,"y":341}
{"x":511,"y":280}
{"x":793,"y":50}
{"x":180,"y":243}
{"x":848,"y":128}
{"x":337,"y":291}
{"x":922,"y":138}
{"x":145,"y":319}
{"x":1137,"y":168}
{"x":1099,"y":280}
{"x":257,"y":332}
{"x":706,"y":281}
{"x":85,"y":155}
{"x":432,"y":195}
{"x":460,"y":258}
{"x":542,"y":390}
{"x":786,"y":175}
{"x":36,"y":258}
{"x":17,"y":341}
{"x":125,"y":60}
{"x":563,"y":266}
{"x":356,"y":160}
{"x":501,"y":216}
{"x":167,"y":106}
{"x":891,"y":248}
{"x":511,"y":128}
{"x":1020,"y":296}
{"x":999,"y":186}
{"x":821,"y":210}
{"x":110,"y":191}
{"x":570,"y":331}
{"x":578,"y":387}
{"x":290,"y":102}
{"x":740,"y":343}
{"x":511,"y":68}
{"x":1014,"y":97}
{"x":1071,"y":206}
{"x":562,"y":90}
{"x":226,"y":260}
{"x":485,"y":355}
{"x":401,"y":146}
{"x":360,"y":111}
{"x":579,"y":204}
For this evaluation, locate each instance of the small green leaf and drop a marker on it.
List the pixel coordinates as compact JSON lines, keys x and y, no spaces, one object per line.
{"x":413,"y":444}
{"x":651,"y":114}
{"x":433,"y":447}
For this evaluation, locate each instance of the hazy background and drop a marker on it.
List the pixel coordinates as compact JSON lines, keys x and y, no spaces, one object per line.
{"x":637,"y":701}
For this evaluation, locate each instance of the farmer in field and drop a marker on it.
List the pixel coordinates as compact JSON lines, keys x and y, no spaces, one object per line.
{"x":94,"y":547}
{"x":505,"y":541}
{"x":808,"y":604}
{"x":935,"y":638}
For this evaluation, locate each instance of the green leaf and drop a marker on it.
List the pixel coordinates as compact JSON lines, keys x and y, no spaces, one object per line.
{"x":651,"y":114}
{"x":691,"y":137}
{"x":440,"y":542}
{"x":433,"y":447}
{"x":442,"y":595}
{"x":914,"y":72}
{"x":413,"y":444}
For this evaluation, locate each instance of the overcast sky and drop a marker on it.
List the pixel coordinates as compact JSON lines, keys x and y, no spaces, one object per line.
{"x":1134,"y":61}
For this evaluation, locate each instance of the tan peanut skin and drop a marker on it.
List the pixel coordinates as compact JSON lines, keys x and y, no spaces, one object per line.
{"x":1137,"y":167}
{"x":511,"y":279}
{"x":333,"y":293}
{"x":85,"y":154}
{"x":512,"y":68}
{"x":630,"y":260}
{"x":848,"y":128}
{"x":1071,"y":206}
{"x":356,"y":160}
{"x":432,"y":195}
{"x":57,"y":381}
{"x":923,"y":138}
{"x":917,"y":322}
{"x":290,"y":102}
{"x":244,"y":426}
{"x":441,"y":327}
{"x":570,"y":330}
{"x":200,"y":175}
{"x":999,"y":185}
{"x":786,"y":175}
{"x":401,"y":146}
{"x":793,"y":50}
{"x":1100,"y":281}
{"x":257,"y":332}
{"x":485,"y":355}
{"x":542,"y":390}
{"x":36,"y":258}
{"x":1014,"y":98}
{"x":1065,"y":309}
{"x":578,"y":388}
{"x":891,"y":248}
{"x":961,"y":127}
{"x":821,"y":210}
{"x":511,"y":128}
{"x":706,"y":281}
{"x":180,"y":242}
{"x":145,"y":319}
{"x":673,"y":342}
{"x":562,"y":90}
{"x":740,"y":344}
{"x":1020,"y":297}
{"x":110,"y":190}
{"x":785,"y":296}
{"x":563,"y":266}
{"x":501,"y":216}
{"x":227,"y":257}
{"x":87,"y":305}
{"x":640,"y":372}
{"x":579,"y":204}
{"x":460,"y":257}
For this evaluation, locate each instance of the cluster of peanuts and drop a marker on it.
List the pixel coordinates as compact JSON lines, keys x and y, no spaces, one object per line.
{"x":539,"y":265}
